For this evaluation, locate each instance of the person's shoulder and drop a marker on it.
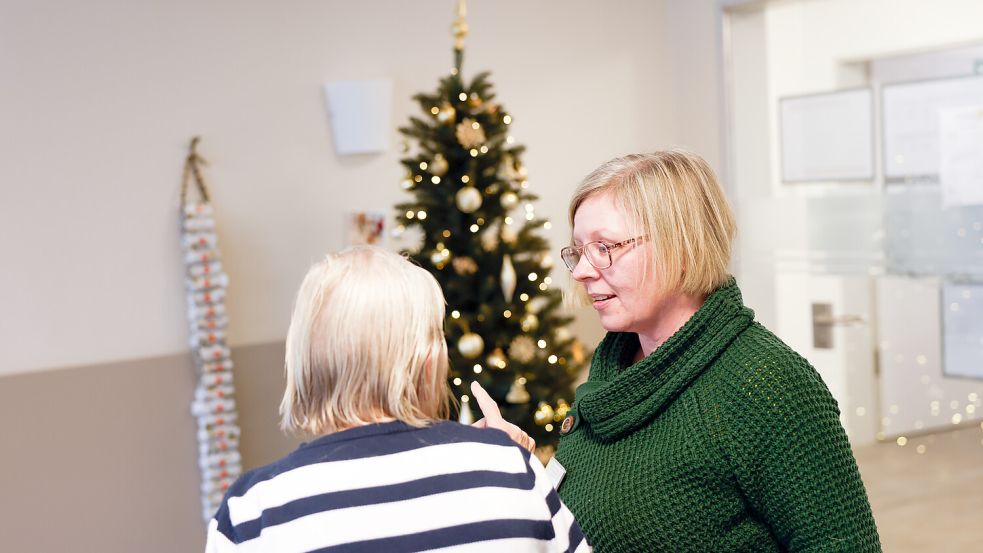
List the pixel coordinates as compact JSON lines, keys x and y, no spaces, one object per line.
{"x":450,"y":431}
{"x":759,"y":367}
{"x":254,"y":476}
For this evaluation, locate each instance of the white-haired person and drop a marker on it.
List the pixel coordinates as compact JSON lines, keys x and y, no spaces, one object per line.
{"x":697,"y":429}
{"x":366,"y":368}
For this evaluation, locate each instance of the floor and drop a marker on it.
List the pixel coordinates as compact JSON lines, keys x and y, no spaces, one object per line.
{"x":927,"y":495}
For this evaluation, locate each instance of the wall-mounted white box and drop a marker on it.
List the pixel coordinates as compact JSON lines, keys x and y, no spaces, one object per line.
{"x":360,"y":114}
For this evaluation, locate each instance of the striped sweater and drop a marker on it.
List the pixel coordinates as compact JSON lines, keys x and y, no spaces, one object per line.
{"x":392,"y":487}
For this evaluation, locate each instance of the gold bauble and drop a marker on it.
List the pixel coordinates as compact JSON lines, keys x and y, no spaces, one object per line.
{"x":517,"y":392}
{"x":440,"y":258}
{"x":510,"y":200}
{"x":470,"y":345}
{"x":446,"y":113}
{"x":544,"y":414}
{"x":496,"y":359}
{"x":562,"y":408}
{"x":468,"y":199}
{"x":464,"y":266}
{"x":439,"y":165}
{"x":529,"y":322}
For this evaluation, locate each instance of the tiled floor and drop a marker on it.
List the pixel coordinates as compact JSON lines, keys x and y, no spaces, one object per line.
{"x":927,"y":499}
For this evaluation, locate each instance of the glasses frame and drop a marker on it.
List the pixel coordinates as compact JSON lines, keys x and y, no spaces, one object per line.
{"x":579,"y":250}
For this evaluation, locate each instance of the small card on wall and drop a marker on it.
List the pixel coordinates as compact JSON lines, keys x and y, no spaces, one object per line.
{"x":367,"y":228}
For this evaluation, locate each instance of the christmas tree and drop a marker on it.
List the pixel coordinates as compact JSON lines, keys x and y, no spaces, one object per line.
{"x":482,"y":241}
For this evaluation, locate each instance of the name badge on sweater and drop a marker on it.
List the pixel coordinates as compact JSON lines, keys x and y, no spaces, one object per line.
{"x":556,"y":472}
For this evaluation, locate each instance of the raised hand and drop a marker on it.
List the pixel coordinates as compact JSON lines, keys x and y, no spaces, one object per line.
{"x":493,"y":418}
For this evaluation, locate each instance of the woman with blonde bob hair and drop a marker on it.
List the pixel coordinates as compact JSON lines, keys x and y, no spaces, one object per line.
{"x":366,"y":368}
{"x":697,"y":429}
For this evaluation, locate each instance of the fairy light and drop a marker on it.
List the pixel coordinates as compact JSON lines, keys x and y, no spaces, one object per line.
{"x":477,"y":368}
{"x":465,"y":179}
{"x":547,"y":225}
{"x":407,"y":184}
{"x":541,"y":343}
{"x":524,"y":296}
{"x":957,"y":418}
{"x":484,"y":149}
{"x":418,"y":178}
{"x":548,"y":280}
{"x":475,"y":125}
{"x":552,"y":359}
{"x":455,"y":314}
{"x":446,"y":233}
{"x":435,"y":110}
{"x":507,"y":119}
{"x":533,"y":277}
{"x":507,"y":314}
{"x":524,"y":184}
{"x":435,"y":179}
{"x":543,"y":286}
{"x":509,"y":139}
{"x":465,"y":399}
{"x":473,"y":152}
{"x":480,"y":221}
{"x":410,"y":215}
{"x":462,"y":96}
{"x":530,"y":216}
{"x":421,"y":215}
{"x":457,"y":381}
{"x":474,"y":228}
{"x":902,"y":441}
{"x":549,"y":427}
{"x":423,"y":165}
{"x":508,"y":220}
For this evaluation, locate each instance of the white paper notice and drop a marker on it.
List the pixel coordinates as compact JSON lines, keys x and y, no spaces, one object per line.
{"x":961,"y":155}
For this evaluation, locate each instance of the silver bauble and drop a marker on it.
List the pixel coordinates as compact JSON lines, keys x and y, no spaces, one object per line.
{"x":468,"y":199}
{"x":470,"y":345}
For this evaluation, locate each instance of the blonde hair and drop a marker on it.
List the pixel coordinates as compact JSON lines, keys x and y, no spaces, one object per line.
{"x":673,"y":198}
{"x":365,"y":344}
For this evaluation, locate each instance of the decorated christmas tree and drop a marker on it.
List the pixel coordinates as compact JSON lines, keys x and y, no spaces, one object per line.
{"x":473,"y":214}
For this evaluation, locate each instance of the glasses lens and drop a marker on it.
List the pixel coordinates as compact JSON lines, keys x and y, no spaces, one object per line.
{"x":599,"y":255}
{"x":570,"y":256}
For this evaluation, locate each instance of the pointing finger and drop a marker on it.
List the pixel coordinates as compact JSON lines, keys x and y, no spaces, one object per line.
{"x":487,"y":405}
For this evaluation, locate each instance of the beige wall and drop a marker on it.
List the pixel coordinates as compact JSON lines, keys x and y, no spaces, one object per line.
{"x":104,"y":457}
{"x":99,"y":101}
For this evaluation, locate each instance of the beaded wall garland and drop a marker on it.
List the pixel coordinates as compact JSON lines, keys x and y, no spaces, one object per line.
{"x":206,"y":283}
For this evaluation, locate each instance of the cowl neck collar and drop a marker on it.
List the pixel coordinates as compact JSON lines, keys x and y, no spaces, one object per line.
{"x":619,"y":397}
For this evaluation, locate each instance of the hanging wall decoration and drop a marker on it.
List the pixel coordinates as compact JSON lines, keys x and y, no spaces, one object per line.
{"x":206,"y":283}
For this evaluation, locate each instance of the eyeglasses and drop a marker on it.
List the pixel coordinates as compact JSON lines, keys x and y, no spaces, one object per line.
{"x":598,"y":253}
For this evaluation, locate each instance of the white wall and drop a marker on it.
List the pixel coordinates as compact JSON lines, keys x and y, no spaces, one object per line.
{"x":100,"y":99}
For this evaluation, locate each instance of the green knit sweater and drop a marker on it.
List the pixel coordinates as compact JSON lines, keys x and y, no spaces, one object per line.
{"x":722,"y":439}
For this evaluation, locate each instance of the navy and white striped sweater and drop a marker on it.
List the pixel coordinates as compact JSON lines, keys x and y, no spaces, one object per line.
{"x":395,"y":488}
